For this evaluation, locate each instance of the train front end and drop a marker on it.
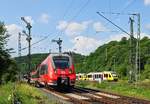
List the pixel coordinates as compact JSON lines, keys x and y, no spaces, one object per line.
{"x":64,"y":71}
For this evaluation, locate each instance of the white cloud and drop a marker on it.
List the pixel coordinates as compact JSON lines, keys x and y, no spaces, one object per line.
{"x":29,"y":19}
{"x":116,"y":37}
{"x":144,"y":34}
{"x":62,"y":25}
{"x":99,"y":27}
{"x":147,"y":2}
{"x":44,"y":18}
{"x":13,"y":30}
{"x":73,"y":28}
{"x":85,"y":45}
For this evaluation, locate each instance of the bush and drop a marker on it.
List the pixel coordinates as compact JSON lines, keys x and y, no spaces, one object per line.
{"x":23,"y":93}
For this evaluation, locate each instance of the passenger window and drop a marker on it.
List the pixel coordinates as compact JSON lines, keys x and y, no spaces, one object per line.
{"x":44,"y":69}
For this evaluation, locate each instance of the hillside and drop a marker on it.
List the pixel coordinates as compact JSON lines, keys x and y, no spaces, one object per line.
{"x":111,"y":56}
{"x":115,"y":56}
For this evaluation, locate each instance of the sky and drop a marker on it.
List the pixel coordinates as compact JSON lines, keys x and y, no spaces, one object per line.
{"x":74,"y":21}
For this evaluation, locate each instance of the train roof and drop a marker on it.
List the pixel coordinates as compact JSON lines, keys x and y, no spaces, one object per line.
{"x":94,"y":73}
{"x":109,"y":71}
{"x":58,"y":54}
{"x":80,"y":74}
{"x":51,"y":55}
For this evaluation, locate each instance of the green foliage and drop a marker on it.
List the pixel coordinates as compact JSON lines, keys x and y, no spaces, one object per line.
{"x":8,"y":68}
{"x":146,"y":73}
{"x":140,"y":90}
{"x":24,"y":93}
{"x":115,"y":56}
{"x":6,"y":93}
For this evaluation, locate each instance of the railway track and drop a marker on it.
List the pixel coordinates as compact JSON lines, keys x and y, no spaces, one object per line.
{"x":115,"y":98}
{"x":80,"y":95}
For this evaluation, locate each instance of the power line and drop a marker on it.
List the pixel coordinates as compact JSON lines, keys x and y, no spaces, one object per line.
{"x":117,"y":13}
{"x":65,"y":13}
{"x":129,"y":3}
{"x":107,"y":31}
{"x":77,"y":13}
{"x":36,"y":42}
{"x":113,"y":23}
{"x":48,"y":35}
{"x":66,"y":26}
{"x":80,"y":10}
{"x":68,"y":8}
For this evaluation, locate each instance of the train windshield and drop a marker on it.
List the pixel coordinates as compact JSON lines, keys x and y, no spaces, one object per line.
{"x":114,"y":74}
{"x":61,"y":62}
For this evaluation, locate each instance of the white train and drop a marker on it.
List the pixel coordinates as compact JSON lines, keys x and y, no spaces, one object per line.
{"x":98,"y":76}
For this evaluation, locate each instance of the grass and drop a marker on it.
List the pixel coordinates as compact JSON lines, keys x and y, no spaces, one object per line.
{"x":139,"y":90}
{"x":24,"y":93}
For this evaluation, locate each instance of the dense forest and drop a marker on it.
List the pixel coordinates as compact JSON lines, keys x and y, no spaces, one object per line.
{"x":115,"y":56}
{"x":8,"y":66}
{"x":112,"y":56}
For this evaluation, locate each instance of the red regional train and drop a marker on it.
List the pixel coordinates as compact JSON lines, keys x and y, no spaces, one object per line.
{"x":56,"y":70}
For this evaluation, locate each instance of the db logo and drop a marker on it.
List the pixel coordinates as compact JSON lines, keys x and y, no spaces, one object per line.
{"x":62,"y":72}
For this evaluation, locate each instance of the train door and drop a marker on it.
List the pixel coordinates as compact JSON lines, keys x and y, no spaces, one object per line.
{"x":43,"y":73}
{"x":96,"y":77}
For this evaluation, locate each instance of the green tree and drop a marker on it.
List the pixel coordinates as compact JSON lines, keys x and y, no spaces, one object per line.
{"x":7,"y":65}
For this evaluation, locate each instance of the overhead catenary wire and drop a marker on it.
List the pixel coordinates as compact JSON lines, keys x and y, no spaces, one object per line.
{"x":128,"y":3}
{"x":113,"y":23}
{"x":49,"y":35}
{"x":77,"y":14}
{"x":37,"y":42}
{"x":66,"y":26}
{"x":68,"y":8}
{"x":65,"y":13}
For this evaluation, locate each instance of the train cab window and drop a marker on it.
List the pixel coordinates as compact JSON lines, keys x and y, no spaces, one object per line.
{"x":61,"y":62}
{"x":89,"y":76}
{"x":109,"y":75}
{"x":106,"y":75}
{"x":44,"y":69}
{"x":114,"y":74}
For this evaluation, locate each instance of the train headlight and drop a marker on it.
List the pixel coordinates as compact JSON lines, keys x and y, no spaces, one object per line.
{"x":55,"y":71}
{"x":70,"y":71}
